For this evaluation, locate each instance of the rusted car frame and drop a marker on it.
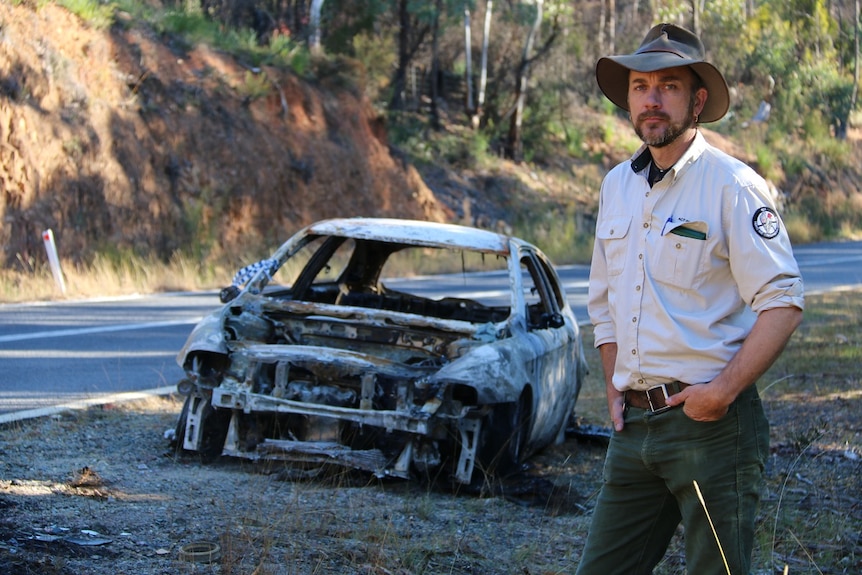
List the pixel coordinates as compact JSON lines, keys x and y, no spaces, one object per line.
{"x":336,"y":366}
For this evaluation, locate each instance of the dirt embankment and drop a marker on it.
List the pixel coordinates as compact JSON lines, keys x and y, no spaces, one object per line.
{"x":124,"y":138}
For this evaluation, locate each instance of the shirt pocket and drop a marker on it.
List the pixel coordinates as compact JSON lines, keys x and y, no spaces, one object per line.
{"x":612,"y":232}
{"x":680,"y":254}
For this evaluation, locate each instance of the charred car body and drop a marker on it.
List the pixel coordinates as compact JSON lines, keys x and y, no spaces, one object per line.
{"x":334,"y":350}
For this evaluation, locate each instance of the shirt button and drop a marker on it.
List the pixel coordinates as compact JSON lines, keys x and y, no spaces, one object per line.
{"x":641,"y":382}
{"x":646,"y":225}
{"x":641,"y":256}
{"x":634,"y":352}
{"x":637,"y":288}
{"x":612,"y":232}
{"x":635,"y":319}
{"x":678,"y":246}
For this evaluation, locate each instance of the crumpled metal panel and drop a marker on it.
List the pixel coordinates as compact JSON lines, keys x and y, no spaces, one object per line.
{"x":207,"y":335}
{"x":330,"y":362}
{"x":415,"y":421}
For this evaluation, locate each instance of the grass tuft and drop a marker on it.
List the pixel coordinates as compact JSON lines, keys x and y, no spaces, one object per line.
{"x":112,"y":275}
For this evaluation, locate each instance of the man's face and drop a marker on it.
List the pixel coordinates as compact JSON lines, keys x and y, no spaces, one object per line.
{"x":664,"y":104}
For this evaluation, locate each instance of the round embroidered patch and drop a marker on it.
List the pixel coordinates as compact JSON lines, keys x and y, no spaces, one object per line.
{"x":766,"y":223}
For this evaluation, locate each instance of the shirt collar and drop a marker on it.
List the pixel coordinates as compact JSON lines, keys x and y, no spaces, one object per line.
{"x":642,"y":158}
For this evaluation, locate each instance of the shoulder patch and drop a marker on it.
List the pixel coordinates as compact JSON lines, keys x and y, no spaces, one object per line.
{"x":766,"y":223}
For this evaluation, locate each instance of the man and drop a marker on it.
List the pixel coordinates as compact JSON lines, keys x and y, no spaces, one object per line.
{"x":694,"y":293}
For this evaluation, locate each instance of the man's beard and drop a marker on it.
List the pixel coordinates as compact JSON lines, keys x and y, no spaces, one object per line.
{"x":672,"y":132}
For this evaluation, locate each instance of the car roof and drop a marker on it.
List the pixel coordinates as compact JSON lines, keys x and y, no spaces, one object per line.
{"x":415,"y":232}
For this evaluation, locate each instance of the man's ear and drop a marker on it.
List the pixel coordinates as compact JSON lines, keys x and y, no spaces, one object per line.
{"x":700,"y":97}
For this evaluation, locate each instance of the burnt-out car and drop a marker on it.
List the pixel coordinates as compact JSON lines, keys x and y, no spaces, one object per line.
{"x":397,"y":347}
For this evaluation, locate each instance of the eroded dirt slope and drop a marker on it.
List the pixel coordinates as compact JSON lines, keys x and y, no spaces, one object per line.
{"x":122,"y":137}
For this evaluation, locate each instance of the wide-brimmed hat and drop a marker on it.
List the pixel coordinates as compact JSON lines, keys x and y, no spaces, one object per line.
{"x":665,"y":46}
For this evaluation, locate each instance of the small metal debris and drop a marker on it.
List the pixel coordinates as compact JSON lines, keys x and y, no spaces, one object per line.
{"x":200,"y":552}
{"x":590,"y":433}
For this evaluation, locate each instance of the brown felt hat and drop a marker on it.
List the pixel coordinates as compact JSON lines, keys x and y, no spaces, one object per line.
{"x":665,"y":46}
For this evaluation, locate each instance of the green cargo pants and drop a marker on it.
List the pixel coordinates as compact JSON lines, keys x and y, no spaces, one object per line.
{"x":648,"y":488}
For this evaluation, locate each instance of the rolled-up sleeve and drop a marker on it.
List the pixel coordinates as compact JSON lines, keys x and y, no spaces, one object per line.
{"x":597,"y":297}
{"x":597,"y":302}
{"x":766,"y":272}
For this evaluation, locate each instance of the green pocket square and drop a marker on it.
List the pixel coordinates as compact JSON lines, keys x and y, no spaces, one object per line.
{"x":688,"y":233}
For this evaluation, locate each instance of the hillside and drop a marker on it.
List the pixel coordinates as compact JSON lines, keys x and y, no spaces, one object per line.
{"x":128,"y":141}
{"x":120,"y":138}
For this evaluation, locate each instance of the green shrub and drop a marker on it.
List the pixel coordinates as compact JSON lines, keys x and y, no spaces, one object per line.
{"x":560,"y":232}
{"x":195,"y":27}
{"x":378,"y":56}
{"x":767,"y":161}
{"x":799,"y":228}
{"x":96,"y":14}
{"x":255,"y":86}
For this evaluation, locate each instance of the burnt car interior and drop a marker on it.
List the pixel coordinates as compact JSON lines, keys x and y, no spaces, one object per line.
{"x":348,"y":272}
{"x":358,"y":283}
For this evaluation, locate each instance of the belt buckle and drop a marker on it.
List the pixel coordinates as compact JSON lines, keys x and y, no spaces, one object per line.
{"x":665,"y":407}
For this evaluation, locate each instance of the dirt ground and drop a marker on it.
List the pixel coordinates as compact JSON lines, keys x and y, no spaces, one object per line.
{"x":99,"y":492}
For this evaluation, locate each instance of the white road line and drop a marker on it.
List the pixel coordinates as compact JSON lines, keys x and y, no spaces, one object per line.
{"x":99,"y":329}
{"x":84,"y":403}
{"x":817,"y":262}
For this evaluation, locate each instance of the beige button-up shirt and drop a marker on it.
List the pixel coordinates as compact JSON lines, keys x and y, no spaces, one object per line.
{"x":680,"y":271}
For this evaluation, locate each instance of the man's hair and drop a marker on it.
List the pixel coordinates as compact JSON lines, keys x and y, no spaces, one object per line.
{"x":698,"y":81}
{"x":696,"y":85}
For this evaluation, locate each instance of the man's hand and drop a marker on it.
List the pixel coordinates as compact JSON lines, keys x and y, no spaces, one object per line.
{"x":701,"y":402}
{"x":616,"y":406}
{"x":769,"y":335}
{"x":616,"y":399}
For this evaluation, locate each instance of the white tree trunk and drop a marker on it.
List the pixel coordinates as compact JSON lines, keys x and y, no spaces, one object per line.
{"x":515,"y":142}
{"x":468,"y":56}
{"x":612,"y":26}
{"x":486,"y":35}
{"x":314,"y":38}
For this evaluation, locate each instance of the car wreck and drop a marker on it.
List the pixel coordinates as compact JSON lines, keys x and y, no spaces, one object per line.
{"x":342,"y":349}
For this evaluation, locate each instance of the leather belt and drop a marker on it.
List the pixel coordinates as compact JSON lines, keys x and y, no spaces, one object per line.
{"x":655,"y":398}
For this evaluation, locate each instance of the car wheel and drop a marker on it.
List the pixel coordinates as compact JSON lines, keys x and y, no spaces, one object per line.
{"x":503,"y":435}
{"x":214,"y":426}
{"x":180,"y":429}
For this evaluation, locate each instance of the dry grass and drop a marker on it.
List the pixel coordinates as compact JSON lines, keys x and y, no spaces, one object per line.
{"x":811,"y":517}
{"x":112,"y":277}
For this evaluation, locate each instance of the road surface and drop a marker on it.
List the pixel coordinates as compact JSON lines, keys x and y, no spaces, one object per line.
{"x":58,"y":353}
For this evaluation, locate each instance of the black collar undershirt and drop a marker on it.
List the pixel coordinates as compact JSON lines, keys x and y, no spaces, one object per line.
{"x":655,"y":174}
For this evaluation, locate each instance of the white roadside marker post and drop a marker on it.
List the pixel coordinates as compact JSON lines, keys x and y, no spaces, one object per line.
{"x":53,"y":259}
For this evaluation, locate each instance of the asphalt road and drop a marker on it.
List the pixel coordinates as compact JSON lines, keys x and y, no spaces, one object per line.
{"x":75,"y":353}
